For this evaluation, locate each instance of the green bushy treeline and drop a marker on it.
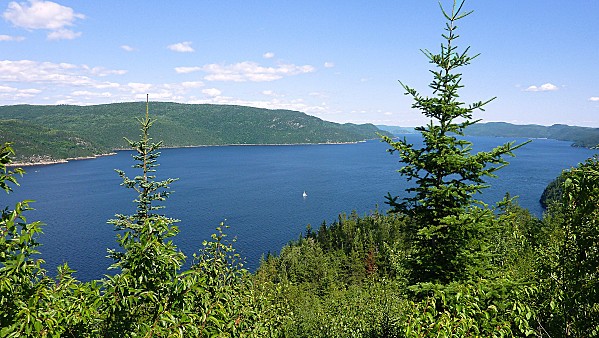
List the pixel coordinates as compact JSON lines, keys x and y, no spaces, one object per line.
{"x":439,"y":264}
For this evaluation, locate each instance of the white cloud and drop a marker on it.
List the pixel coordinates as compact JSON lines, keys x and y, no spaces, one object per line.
{"x":547,"y":87}
{"x":63,"y":34}
{"x":251,"y":71}
{"x":192,"y":84}
{"x":268,"y":55}
{"x":47,"y":15}
{"x":11,"y":38}
{"x":30,"y":91}
{"x":64,"y":74}
{"x":274,"y":103}
{"x":87,"y":93}
{"x":329,"y":65}
{"x":105,"y":85}
{"x":6,"y":89}
{"x":185,"y":70}
{"x":594,"y":98}
{"x":101,"y":71}
{"x":212,"y":92}
{"x":39,"y":72}
{"x":127,"y":48}
{"x":162,"y":95}
{"x":320,"y":95}
{"x":12,"y":93}
{"x":181,"y":47}
{"x":68,"y":83}
{"x":139,"y":87}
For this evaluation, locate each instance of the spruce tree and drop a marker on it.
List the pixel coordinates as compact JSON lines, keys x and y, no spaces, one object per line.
{"x":147,"y":285}
{"x":446,"y":234}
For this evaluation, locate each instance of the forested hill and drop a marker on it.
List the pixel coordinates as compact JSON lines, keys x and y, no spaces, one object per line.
{"x":579,"y":136}
{"x":49,"y":131}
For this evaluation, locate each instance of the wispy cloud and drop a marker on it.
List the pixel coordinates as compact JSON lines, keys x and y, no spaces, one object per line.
{"x":11,"y":38}
{"x":213,"y":92}
{"x":329,"y":65}
{"x":251,"y":71}
{"x":547,"y":87}
{"x":268,"y":55}
{"x":63,"y":34}
{"x":58,"y":74}
{"x":101,"y":71}
{"x":127,"y":48}
{"x":46,"y":15}
{"x":140,"y":87}
{"x":274,"y":103}
{"x":594,"y":98}
{"x":192,"y":84}
{"x":90,"y":94}
{"x":68,"y":83}
{"x":13,"y":94}
{"x":181,"y":47}
{"x":185,"y":70}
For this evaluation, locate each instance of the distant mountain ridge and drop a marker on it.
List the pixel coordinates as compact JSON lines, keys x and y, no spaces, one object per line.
{"x":396,"y":130}
{"x":579,"y":136}
{"x":92,"y":130}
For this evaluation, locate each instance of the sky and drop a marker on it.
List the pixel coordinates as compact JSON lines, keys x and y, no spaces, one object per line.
{"x":340,"y":61}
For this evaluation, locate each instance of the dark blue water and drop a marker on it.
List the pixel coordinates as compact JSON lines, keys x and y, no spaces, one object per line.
{"x":257,"y":189}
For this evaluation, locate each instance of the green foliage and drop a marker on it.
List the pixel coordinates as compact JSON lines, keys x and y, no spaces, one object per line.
{"x":20,"y":273}
{"x":329,"y":293}
{"x":552,"y":192}
{"x":149,"y":262}
{"x":31,"y":303}
{"x":447,"y":236}
{"x":569,"y":258}
{"x":441,"y":265}
{"x":484,"y":308}
{"x":349,"y":251}
{"x":151,"y":295}
{"x":8,"y":176}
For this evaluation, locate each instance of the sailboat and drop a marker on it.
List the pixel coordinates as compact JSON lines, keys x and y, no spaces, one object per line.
{"x":305,"y":195}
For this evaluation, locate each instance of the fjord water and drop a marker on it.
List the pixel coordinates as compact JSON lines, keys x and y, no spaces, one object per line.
{"x":256,"y":189}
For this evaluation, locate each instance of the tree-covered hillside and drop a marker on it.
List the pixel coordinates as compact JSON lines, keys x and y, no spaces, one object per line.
{"x":580,"y":136}
{"x":103,"y":127}
{"x":38,"y":143}
{"x":395,"y":130}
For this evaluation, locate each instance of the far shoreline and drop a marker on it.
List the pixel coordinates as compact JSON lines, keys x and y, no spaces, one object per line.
{"x":114,"y":152}
{"x":58,"y":161}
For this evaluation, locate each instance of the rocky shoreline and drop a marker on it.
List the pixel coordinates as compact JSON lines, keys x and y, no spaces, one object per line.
{"x":66,"y":160}
{"x":59,"y":161}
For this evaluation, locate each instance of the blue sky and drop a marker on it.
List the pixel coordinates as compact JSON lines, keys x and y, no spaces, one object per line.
{"x":340,"y":61}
